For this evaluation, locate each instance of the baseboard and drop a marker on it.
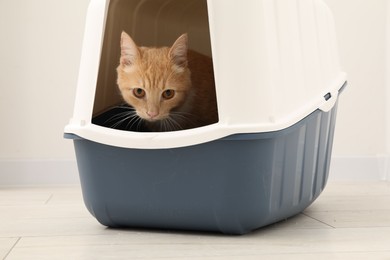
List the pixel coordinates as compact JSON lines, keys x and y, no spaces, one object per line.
{"x":64,"y":172}
{"x":363,"y":168}
{"x":38,"y":172}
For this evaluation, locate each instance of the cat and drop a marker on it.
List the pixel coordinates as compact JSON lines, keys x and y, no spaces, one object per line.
{"x":169,"y":88}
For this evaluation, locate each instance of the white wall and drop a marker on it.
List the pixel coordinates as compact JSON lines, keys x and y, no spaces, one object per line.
{"x":39,"y":59}
{"x":361,"y":28}
{"x":362,"y":140}
{"x":40,"y":45}
{"x":387,"y":93}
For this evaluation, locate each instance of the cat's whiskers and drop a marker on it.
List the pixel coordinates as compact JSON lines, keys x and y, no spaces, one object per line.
{"x":114,"y":119}
{"x":139,"y":123}
{"x":132,"y":121}
{"x":163,"y":125}
{"x":117,"y":116}
{"x":174,"y":124}
{"x":175,"y":121}
{"x":124,"y":106}
{"x":121,"y":115}
{"x":183,"y":117}
{"x":123,"y":118}
{"x":115,"y":125}
{"x":181,"y":113}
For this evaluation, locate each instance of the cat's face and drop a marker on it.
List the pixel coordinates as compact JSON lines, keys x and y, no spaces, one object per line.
{"x":154,"y":81}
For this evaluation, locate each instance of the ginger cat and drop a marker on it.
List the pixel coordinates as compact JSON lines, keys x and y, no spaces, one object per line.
{"x":169,"y":89}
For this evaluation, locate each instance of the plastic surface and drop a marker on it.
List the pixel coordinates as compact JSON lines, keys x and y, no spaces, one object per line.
{"x":232,"y":185}
{"x":275,"y":61}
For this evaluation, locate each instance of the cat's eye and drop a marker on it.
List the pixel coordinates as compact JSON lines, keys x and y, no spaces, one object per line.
{"x":168,"y":94}
{"x":139,"y":92}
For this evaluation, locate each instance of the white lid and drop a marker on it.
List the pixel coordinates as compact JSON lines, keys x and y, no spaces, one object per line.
{"x":274,"y":61}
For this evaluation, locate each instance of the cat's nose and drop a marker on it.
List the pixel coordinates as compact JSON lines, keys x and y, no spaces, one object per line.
{"x":152,"y":114}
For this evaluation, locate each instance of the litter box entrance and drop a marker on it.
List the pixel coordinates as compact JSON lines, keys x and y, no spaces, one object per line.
{"x":156,"y":23}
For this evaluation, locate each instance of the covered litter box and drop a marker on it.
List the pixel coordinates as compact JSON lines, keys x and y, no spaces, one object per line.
{"x":277,"y":79}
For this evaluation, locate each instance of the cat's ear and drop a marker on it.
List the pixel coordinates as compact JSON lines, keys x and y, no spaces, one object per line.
{"x":129,"y":50}
{"x":178,"y":51}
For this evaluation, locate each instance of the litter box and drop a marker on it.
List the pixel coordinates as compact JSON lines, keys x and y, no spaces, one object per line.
{"x":277,"y":80}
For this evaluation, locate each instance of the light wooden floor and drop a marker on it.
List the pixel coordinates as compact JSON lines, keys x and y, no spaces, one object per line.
{"x":348,"y":221}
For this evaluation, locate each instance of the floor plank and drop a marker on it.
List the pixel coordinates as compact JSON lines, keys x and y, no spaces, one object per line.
{"x":150,"y":245}
{"x":6,"y":244}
